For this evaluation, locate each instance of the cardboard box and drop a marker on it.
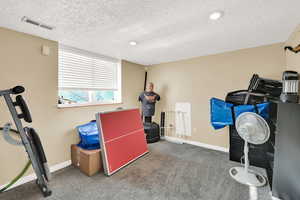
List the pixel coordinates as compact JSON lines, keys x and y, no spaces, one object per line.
{"x":88,"y":161}
{"x":75,"y":155}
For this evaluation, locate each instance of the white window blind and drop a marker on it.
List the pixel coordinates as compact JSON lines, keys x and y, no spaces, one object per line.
{"x":79,"y":69}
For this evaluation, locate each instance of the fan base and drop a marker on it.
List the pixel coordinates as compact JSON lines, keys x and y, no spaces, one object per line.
{"x":250,"y":178}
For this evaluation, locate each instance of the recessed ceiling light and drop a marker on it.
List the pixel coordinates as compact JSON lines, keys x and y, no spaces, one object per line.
{"x":133,"y":43}
{"x":216,"y":15}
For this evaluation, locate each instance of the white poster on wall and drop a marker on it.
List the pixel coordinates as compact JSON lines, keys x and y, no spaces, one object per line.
{"x":183,"y":121}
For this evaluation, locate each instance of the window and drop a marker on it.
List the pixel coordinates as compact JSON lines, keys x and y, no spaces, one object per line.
{"x":86,"y":78}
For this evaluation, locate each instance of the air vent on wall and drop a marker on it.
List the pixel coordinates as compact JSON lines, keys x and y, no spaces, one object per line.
{"x":30,"y":21}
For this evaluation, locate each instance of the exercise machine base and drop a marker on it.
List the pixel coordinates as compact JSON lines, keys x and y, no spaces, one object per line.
{"x":152,"y":132}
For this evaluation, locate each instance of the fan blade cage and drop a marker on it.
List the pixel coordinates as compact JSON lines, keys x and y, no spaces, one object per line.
{"x":252,"y":128}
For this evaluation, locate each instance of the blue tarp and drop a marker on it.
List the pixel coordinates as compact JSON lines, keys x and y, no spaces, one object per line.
{"x":89,"y":136}
{"x":262,"y":109}
{"x":221,"y":112}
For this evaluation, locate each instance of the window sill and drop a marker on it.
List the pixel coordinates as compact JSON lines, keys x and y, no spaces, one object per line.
{"x":86,"y":104}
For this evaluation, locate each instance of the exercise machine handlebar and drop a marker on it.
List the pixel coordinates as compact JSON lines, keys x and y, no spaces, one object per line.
{"x":19,"y":102}
{"x":15,"y":90}
{"x":18,"y":89}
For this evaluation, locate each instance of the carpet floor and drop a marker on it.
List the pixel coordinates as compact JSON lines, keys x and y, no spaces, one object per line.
{"x":169,"y":171}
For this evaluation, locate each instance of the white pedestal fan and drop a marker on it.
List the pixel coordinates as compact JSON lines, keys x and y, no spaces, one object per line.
{"x":255,"y":130}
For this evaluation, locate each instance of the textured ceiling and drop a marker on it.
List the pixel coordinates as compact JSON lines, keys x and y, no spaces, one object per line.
{"x":166,"y":30}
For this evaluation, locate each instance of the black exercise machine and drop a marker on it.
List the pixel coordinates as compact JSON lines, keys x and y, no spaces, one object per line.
{"x":29,"y":138}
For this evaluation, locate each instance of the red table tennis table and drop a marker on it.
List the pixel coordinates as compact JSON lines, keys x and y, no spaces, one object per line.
{"x":122,"y":138}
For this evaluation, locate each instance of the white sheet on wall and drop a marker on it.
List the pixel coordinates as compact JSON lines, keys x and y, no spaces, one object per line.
{"x":183,"y":122}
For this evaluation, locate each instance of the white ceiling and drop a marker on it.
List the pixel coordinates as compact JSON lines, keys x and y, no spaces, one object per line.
{"x":166,"y":30}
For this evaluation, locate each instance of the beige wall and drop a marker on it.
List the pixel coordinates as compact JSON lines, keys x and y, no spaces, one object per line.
{"x":197,"y":80}
{"x":293,"y":59}
{"x":21,"y":63}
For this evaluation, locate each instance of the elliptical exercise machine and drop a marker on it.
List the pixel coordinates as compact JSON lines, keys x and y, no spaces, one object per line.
{"x":29,"y":138}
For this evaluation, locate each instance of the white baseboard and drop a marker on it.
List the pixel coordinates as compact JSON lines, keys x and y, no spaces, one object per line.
{"x":275,"y":198}
{"x":32,"y":177}
{"x":173,"y":139}
{"x":207,"y":146}
{"x":60,"y":166}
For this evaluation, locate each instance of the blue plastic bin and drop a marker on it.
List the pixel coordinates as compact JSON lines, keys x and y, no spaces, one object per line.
{"x":89,"y":136}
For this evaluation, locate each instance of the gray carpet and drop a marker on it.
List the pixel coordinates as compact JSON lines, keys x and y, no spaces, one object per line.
{"x":169,"y":171}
